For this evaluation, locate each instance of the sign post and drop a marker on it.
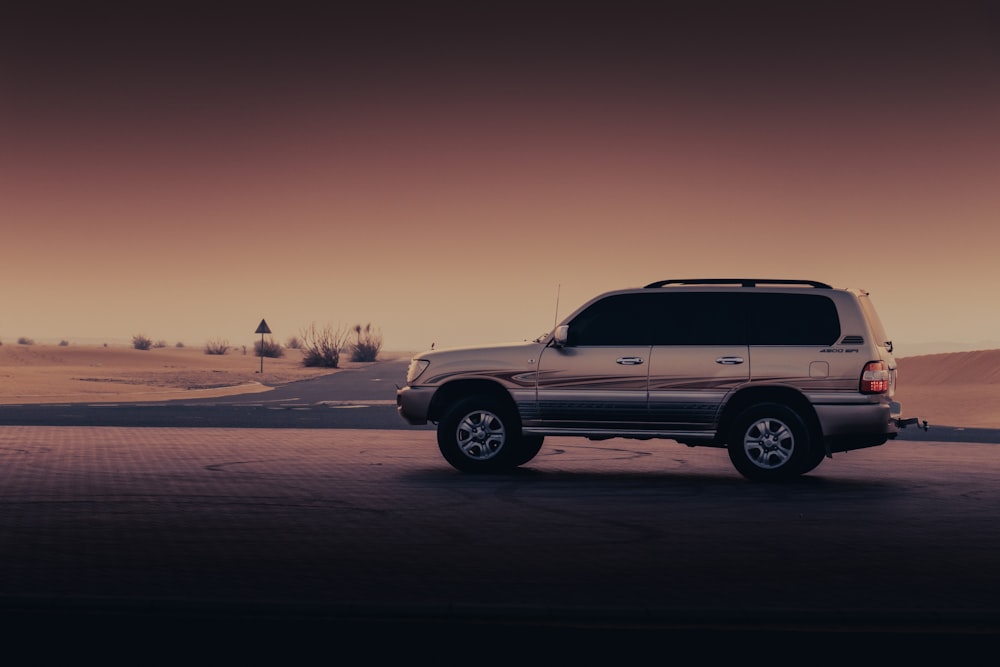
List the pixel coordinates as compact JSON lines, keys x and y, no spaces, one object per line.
{"x":262,"y":329}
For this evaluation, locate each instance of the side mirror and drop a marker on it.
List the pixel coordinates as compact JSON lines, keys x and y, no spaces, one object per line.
{"x":561,"y":335}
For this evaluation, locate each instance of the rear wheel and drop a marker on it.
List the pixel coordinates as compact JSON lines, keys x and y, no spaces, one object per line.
{"x":816,"y":455}
{"x":483,"y":434}
{"x":770,"y":442}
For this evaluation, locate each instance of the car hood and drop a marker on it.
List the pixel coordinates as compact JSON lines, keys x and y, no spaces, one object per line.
{"x":479,"y":361}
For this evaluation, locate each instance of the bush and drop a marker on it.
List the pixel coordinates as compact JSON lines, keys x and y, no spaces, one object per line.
{"x":141,"y":342}
{"x":179,"y":345}
{"x":367,"y":343}
{"x":268,"y":348}
{"x":293,"y":343}
{"x":63,"y":343}
{"x":321,"y":347}
{"x":217,"y":346}
{"x":23,"y":340}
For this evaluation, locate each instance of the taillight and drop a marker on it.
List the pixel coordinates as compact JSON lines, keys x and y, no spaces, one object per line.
{"x":875,"y":378}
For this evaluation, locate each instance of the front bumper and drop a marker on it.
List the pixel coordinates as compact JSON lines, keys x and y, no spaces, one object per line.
{"x":413,"y":404}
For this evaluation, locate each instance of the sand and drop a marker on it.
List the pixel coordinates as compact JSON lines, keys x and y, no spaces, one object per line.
{"x":954,"y":389}
{"x":98,"y":374}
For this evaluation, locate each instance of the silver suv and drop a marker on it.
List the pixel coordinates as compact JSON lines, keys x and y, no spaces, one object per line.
{"x":780,"y":373}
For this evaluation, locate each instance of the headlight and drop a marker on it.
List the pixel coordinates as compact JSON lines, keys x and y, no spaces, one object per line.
{"x":417,"y":366}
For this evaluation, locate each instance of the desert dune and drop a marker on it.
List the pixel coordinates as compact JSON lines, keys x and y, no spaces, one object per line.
{"x":955,"y":389}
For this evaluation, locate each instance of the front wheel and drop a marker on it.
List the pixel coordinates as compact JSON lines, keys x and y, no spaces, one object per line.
{"x":770,"y":442}
{"x":482,"y":434}
{"x":529,"y":447}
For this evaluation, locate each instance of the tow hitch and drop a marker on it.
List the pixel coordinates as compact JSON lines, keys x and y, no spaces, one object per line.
{"x":903,"y":423}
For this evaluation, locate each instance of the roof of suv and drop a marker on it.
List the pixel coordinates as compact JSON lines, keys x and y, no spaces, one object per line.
{"x":741,"y":282}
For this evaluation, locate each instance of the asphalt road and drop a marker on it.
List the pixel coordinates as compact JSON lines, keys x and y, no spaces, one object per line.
{"x":288,"y":544}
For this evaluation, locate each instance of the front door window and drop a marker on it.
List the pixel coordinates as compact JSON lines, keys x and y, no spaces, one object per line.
{"x":598,"y":380}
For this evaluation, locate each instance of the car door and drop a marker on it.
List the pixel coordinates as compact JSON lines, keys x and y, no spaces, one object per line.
{"x":699,"y":355}
{"x":598,"y":379}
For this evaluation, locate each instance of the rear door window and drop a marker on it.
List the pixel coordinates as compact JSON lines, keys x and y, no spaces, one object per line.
{"x":707,"y":318}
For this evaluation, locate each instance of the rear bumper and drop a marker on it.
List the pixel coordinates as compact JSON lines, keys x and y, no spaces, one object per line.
{"x":857,"y":425}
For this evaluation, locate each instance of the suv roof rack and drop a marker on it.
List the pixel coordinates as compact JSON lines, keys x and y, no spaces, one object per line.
{"x":744,"y":282}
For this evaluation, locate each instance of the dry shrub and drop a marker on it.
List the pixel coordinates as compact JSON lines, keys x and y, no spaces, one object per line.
{"x":321,"y":346}
{"x":141,"y":342}
{"x":268,"y":347}
{"x":367,"y":343}
{"x":217,"y":346}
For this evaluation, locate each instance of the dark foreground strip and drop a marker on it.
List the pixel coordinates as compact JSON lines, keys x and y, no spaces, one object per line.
{"x":286,"y":630}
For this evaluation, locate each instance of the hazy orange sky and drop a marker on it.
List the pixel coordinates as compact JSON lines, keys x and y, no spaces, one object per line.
{"x":441,"y":173}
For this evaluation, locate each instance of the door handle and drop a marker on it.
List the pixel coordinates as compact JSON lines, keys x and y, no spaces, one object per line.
{"x":729,"y":361}
{"x":629,"y":361}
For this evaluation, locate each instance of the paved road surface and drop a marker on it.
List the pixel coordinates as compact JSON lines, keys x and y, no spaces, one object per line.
{"x":368,"y":382}
{"x":256,"y":540}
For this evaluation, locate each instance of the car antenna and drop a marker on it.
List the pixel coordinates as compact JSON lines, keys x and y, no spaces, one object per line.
{"x":555,"y":320}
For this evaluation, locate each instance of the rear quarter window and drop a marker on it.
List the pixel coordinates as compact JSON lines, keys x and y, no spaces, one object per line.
{"x":792,"y":319}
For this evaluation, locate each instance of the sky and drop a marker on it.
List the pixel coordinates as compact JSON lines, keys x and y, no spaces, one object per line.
{"x":460,"y":176}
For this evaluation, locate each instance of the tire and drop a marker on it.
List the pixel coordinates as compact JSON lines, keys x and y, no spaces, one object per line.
{"x":770,"y":442}
{"x":816,"y":455}
{"x":482,"y":434}
{"x":529,"y":446}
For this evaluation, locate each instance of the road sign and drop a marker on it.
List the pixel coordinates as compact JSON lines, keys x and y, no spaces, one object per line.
{"x":262,"y":329}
